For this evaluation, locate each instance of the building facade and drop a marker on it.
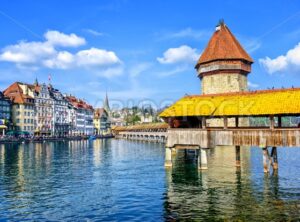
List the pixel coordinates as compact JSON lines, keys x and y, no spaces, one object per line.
{"x":5,"y":113}
{"x":39,"y":109}
{"x":61,"y":123}
{"x":102,"y":122}
{"x":44,"y":110}
{"x":82,"y":116}
{"x":23,"y":107}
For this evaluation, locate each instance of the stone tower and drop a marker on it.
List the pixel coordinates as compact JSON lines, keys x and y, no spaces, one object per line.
{"x":224,"y":65}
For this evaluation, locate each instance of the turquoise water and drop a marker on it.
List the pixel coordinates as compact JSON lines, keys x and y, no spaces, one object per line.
{"x":117,"y":180}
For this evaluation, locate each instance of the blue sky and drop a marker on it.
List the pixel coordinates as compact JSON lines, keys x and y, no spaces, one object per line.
{"x":142,"y":50}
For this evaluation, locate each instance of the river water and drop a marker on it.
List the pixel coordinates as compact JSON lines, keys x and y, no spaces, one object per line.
{"x":118,"y":180}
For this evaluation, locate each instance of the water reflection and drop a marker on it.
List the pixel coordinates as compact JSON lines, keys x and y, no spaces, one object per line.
{"x":116,"y":180}
{"x":225,"y":192}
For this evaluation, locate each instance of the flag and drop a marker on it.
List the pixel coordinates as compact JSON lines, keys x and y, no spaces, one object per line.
{"x":49,"y":77}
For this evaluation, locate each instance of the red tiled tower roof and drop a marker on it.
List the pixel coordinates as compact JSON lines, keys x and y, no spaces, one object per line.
{"x":223,"y":46}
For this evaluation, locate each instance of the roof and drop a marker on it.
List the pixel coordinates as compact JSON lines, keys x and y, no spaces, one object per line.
{"x":256,"y":103}
{"x":78,"y":103}
{"x":99,"y":112}
{"x":15,"y":93}
{"x":142,"y":126}
{"x":223,"y":45}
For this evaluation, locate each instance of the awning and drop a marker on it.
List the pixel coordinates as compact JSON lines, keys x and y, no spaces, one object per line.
{"x":3,"y":127}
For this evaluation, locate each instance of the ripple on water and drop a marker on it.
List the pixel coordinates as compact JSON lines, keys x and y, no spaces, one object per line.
{"x":117,"y":180}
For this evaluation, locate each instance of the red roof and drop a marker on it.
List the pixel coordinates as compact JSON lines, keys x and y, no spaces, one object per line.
{"x":223,"y":45}
{"x":16,"y":94}
{"x":79,"y":103}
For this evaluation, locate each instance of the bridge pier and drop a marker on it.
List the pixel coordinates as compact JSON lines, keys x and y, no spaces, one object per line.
{"x":275,"y":159}
{"x":202,"y":159}
{"x":238,"y":156}
{"x":174,"y":151}
{"x":270,"y":160}
{"x":168,"y":157}
{"x":266,"y":159}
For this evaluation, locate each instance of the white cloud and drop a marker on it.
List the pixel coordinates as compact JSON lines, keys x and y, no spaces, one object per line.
{"x":57,"y":38}
{"x":26,"y":52}
{"x":252,"y":85}
{"x":182,"y":54}
{"x":139,"y":68}
{"x":62,"y":60}
{"x":29,"y":55}
{"x":93,"y":32}
{"x":111,"y":72}
{"x":84,"y":58}
{"x":96,"y":57}
{"x":288,"y":62}
{"x":187,"y":33}
{"x":172,"y":72}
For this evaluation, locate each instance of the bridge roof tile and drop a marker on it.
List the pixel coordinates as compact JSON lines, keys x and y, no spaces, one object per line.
{"x":255,"y":103}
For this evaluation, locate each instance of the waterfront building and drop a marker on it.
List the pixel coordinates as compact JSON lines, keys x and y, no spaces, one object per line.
{"x":101,"y":122}
{"x":5,"y":113}
{"x":72,"y":117}
{"x":23,"y":106}
{"x":44,"y":103}
{"x":83,"y":122}
{"x":60,"y":119}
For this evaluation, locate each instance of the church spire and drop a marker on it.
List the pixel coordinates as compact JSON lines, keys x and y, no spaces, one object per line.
{"x":36,"y":83}
{"x":106,"y":104}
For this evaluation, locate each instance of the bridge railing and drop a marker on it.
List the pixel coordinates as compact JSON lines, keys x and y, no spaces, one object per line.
{"x":208,"y":138}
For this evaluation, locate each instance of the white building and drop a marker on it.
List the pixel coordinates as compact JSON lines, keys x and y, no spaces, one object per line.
{"x":44,"y":104}
{"x":81,"y":116}
{"x":60,"y":117}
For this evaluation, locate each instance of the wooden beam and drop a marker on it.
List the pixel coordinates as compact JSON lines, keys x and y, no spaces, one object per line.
{"x":203,"y":122}
{"x":272,"y":122}
{"x":225,"y":122}
{"x":279,"y":121}
{"x":236,"y":122}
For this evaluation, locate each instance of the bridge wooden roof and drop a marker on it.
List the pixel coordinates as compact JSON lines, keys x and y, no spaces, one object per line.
{"x":256,"y":103}
{"x":142,"y":127}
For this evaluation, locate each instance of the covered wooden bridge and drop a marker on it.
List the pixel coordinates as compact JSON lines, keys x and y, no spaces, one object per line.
{"x":207,"y":121}
{"x":155,"y":132}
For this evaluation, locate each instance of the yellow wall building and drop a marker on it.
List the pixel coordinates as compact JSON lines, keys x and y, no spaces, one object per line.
{"x":23,"y":108}
{"x":101,"y":122}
